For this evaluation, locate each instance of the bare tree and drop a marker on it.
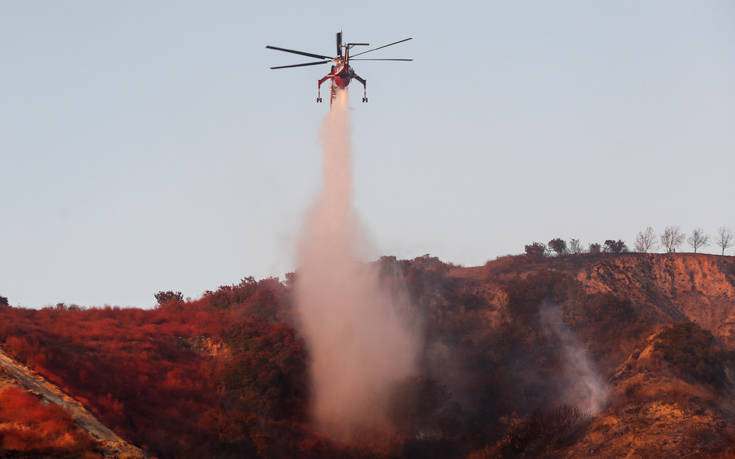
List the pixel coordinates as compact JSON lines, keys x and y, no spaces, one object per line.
{"x":672,"y":238}
{"x":724,"y":238}
{"x":646,"y":240}
{"x":698,"y":239}
{"x":575,"y":246}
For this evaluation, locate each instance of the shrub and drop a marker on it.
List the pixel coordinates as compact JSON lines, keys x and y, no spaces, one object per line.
{"x":610,"y":308}
{"x":559,"y":246}
{"x":693,"y":353}
{"x":536,"y":249}
{"x":168,"y":297}
{"x":525,"y":295}
{"x":542,"y":433}
{"x":30,"y":429}
{"x":613,"y":246}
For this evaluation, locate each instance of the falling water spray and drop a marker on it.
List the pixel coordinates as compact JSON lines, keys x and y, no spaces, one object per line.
{"x":584,"y":387}
{"x":359,"y":338}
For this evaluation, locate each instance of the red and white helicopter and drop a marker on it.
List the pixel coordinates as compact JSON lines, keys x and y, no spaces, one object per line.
{"x":342,"y":73}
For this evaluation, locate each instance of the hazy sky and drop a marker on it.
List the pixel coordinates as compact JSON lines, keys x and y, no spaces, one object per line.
{"x":146,"y":146}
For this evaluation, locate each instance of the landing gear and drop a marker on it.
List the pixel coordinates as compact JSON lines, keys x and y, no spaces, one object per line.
{"x":364,"y":88}
{"x":319,"y":87}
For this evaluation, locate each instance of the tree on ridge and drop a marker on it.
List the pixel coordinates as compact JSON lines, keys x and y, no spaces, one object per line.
{"x":559,"y":246}
{"x":672,"y":238}
{"x":698,"y":239}
{"x":724,"y":238}
{"x":575,"y":246}
{"x":646,"y":240}
{"x":536,"y":249}
{"x":168,"y":297}
{"x":613,"y":246}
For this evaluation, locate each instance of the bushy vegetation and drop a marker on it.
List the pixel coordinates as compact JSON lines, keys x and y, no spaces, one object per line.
{"x":609,"y":308}
{"x":527,"y":294}
{"x":29,"y":428}
{"x":226,"y":375}
{"x":693,"y":353}
{"x":154,"y":376}
{"x":540,"y":435}
{"x":168,"y":297}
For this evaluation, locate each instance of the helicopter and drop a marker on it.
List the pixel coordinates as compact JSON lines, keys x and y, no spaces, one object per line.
{"x":342,"y":72}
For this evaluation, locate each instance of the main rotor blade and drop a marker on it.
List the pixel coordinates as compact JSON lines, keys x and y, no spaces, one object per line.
{"x":402,"y":60}
{"x":339,"y":44}
{"x":381,"y":47}
{"x":316,"y":56}
{"x":299,"y":65}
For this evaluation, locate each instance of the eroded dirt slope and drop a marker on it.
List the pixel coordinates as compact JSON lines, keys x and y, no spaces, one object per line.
{"x":677,"y":287}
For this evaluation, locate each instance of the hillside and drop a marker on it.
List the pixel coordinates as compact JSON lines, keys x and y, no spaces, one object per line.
{"x":659,"y":330}
{"x":608,"y":355}
{"x":39,"y":419}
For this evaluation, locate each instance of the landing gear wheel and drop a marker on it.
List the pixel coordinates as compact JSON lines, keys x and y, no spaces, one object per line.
{"x":364,"y":99}
{"x":318,"y":99}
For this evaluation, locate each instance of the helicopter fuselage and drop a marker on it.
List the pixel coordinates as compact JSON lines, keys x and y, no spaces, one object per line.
{"x":342,"y":75}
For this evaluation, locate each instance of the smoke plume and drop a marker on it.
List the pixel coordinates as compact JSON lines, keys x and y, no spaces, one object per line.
{"x":584,"y":388}
{"x":359,"y":340}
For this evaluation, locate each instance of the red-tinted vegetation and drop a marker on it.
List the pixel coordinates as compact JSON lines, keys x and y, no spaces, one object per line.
{"x":30,"y":428}
{"x":186,"y":379}
{"x":694,"y":353}
{"x":227,"y":375}
{"x":128,"y":365}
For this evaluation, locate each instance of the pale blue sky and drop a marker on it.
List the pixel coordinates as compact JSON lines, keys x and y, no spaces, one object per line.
{"x":147,"y":146}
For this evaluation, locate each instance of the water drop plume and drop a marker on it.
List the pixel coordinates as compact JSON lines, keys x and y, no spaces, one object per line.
{"x":360,"y":341}
{"x":583,"y":386}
